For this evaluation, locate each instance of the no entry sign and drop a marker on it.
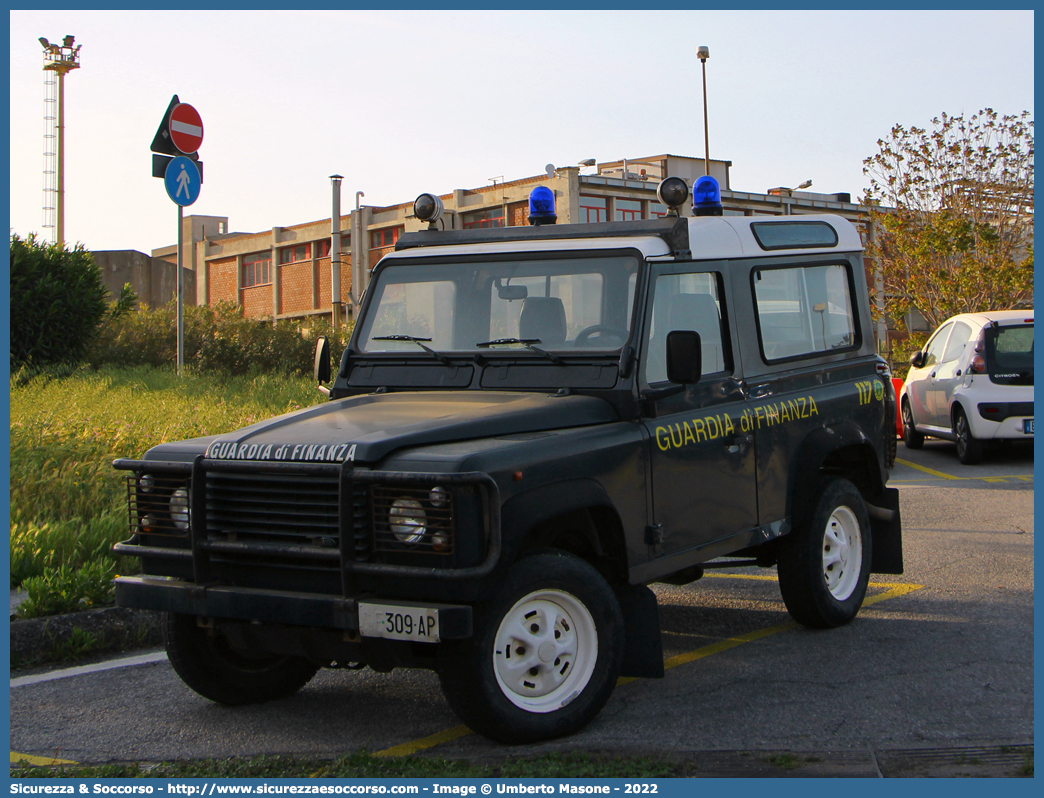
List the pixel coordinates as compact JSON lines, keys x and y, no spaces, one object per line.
{"x":186,"y":128}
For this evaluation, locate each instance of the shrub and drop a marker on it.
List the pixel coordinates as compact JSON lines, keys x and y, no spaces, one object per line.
{"x":218,"y":339}
{"x":68,"y":588}
{"x":57,"y":302}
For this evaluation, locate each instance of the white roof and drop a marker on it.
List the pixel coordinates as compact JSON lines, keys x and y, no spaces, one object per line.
{"x":710,"y":238}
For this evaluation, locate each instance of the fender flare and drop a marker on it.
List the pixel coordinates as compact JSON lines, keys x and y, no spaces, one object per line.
{"x":524,"y":511}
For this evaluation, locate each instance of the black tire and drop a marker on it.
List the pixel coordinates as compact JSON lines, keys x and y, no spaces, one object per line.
{"x":207,"y":664}
{"x":911,"y":437}
{"x":566,"y":605}
{"x":969,"y":448}
{"x":822,"y":592}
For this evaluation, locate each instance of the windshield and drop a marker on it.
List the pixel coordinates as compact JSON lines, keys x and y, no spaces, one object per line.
{"x":581,"y":304}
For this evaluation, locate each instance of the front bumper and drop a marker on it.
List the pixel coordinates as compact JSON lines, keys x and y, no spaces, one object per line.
{"x":270,"y":606}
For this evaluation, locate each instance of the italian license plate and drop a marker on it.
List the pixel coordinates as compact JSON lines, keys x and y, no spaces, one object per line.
{"x":1027,"y":426}
{"x":396,"y":622}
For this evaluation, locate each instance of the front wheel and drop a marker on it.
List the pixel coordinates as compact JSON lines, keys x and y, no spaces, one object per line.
{"x":824,"y":565}
{"x":969,"y":448}
{"x":545,"y":654}
{"x":209,"y":665}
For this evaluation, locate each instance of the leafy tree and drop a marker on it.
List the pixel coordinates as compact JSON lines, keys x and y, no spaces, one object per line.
{"x":57,"y":302}
{"x":958,"y":236}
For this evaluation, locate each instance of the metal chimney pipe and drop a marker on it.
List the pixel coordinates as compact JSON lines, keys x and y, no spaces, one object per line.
{"x":335,"y":251}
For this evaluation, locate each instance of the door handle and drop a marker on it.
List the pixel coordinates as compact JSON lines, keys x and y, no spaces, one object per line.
{"x":738,"y":441}
{"x":760,"y":391}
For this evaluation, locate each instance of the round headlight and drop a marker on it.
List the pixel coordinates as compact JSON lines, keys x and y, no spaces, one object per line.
{"x":146,"y":483}
{"x":428,"y":208}
{"x":407,"y":520}
{"x":672,"y":192}
{"x":438,"y":496}
{"x":179,"y":508}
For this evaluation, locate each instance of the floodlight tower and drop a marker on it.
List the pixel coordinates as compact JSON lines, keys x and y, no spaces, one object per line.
{"x":59,"y":59}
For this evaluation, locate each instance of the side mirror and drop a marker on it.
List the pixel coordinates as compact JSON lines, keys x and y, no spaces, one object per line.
{"x":321,"y":369}
{"x":684,"y":357}
{"x":917,"y":359}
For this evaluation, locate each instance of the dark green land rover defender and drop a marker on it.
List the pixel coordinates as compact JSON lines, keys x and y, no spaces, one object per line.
{"x":529,"y":426}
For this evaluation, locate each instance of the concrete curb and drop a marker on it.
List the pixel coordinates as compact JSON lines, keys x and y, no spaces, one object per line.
{"x":37,"y":641}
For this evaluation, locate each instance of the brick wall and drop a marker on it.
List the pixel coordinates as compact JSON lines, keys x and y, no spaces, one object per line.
{"x":257,"y":301}
{"x":296,"y":287}
{"x":221,"y":281}
{"x":518,"y":214}
{"x":323,"y":277}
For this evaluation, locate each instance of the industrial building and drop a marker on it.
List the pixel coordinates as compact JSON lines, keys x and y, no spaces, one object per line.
{"x":285,"y":272}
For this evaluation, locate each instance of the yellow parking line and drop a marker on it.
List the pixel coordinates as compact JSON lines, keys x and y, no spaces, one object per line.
{"x":895,"y":589}
{"x":426,"y":742}
{"x":39,"y":760}
{"x":926,"y":470}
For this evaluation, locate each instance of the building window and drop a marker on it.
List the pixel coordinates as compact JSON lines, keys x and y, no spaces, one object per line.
{"x":385,"y":237}
{"x":322,"y":248}
{"x":657,"y":210}
{"x":490,"y":217}
{"x":257,"y":269}
{"x":295,"y":254}
{"x":627,"y":210}
{"x":593,"y":209}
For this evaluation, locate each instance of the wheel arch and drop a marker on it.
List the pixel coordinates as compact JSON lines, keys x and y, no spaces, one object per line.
{"x":843,"y":451}
{"x":576,"y":516}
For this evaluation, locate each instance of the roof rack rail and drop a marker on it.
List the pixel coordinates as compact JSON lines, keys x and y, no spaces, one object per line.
{"x":674,"y":231}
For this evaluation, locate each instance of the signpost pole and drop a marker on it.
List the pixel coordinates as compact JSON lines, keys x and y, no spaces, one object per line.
{"x":181,"y":298}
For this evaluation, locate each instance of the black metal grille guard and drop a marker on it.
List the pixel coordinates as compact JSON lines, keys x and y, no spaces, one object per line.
{"x":346,"y":474}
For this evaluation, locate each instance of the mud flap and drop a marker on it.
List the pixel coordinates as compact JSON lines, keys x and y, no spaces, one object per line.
{"x":887,"y":535}
{"x":643,"y":650}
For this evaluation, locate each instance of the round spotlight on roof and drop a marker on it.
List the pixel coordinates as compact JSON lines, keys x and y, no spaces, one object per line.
{"x":672,"y":192}
{"x":706,"y":197}
{"x":542,"y":206}
{"x":428,"y":208}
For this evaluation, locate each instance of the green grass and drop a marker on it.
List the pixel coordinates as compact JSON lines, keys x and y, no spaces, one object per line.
{"x":68,"y":505}
{"x":363,"y":765}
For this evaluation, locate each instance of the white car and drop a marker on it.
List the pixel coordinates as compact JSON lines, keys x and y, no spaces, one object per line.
{"x":972,"y":383}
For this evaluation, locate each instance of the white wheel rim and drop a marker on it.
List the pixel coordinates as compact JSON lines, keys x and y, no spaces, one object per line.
{"x":842,"y":553}
{"x":545,"y":651}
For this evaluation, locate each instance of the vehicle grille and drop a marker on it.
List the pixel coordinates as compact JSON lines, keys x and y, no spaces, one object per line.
{"x":270,"y":508}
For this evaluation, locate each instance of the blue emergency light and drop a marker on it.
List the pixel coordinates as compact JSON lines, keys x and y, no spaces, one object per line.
{"x":542,"y":206}
{"x":706,"y":197}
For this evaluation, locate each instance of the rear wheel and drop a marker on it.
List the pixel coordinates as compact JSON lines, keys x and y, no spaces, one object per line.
{"x":824,"y":565}
{"x":969,"y":448}
{"x":545,"y":654}
{"x":209,"y":665}
{"x":911,"y":437}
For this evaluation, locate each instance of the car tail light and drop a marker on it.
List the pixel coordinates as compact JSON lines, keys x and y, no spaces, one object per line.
{"x":977,"y":365}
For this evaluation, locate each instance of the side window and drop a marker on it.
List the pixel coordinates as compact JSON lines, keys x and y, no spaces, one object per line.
{"x":804,"y":310}
{"x":689,"y":301}
{"x":958,"y":339}
{"x":933,"y":352}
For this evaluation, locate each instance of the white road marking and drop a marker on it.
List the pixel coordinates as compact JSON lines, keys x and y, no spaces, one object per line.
{"x":125,"y":662}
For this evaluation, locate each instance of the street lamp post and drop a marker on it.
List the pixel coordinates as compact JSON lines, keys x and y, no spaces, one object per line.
{"x":703,"y":53}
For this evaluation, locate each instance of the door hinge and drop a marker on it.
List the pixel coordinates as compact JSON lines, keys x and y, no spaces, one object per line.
{"x":654,"y":535}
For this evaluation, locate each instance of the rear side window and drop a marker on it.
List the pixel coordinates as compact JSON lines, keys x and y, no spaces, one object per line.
{"x":804,"y":311}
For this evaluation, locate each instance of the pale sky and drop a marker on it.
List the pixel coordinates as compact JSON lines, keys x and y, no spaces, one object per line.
{"x":406,"y":102}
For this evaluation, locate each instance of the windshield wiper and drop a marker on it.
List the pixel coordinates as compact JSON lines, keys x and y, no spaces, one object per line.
{"x":441,"y":358}
{"x":528,"y":344}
